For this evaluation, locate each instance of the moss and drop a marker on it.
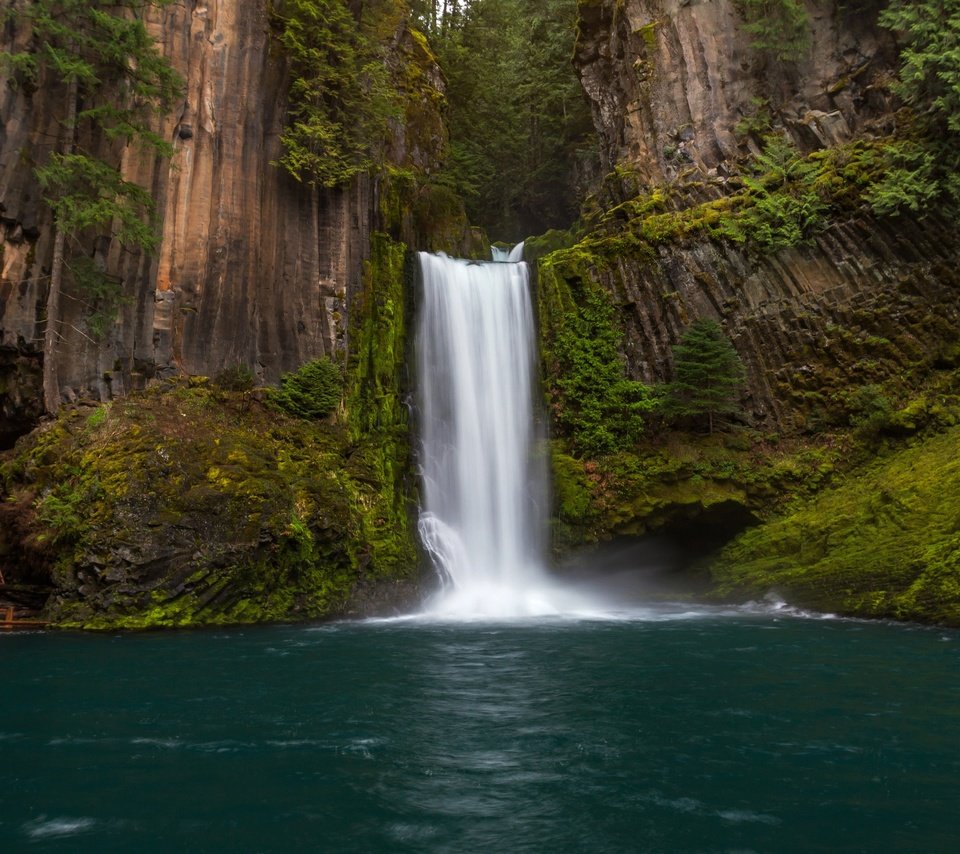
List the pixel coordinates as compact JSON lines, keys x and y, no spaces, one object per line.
{"x":593,"y":403}
{"x":188,"y":506}
{"x":377,"y":412}
{"x":193,"y":505}
{"x":881,"y":543}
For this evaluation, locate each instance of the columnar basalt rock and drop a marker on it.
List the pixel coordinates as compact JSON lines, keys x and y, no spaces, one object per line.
{"x":668,"y":80}
{"x":253,"y":268}
{"x":868,"y":300}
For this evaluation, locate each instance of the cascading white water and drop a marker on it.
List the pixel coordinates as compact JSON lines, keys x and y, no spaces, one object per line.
{"x":485,"y":487}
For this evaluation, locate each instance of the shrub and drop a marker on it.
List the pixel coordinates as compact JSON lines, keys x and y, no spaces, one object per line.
{"x":237,"y":378}
{"x":595,"y":403}
{"x":312,"y":391}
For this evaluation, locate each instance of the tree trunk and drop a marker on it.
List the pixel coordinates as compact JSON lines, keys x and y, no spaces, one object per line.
{"x":51,"y":336}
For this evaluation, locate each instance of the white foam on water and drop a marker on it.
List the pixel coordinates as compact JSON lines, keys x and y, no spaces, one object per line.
{"x":50,"y":828}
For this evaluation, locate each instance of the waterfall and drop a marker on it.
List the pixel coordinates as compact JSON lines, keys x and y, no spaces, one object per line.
{"x":484,"y":483}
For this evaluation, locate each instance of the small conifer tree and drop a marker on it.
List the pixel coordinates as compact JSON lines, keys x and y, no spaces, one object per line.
{"x":708,"y":374}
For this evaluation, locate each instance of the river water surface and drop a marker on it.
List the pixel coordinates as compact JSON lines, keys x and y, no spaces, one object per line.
{"x":670,"y":730}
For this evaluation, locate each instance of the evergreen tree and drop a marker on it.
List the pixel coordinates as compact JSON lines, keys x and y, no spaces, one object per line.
{"x":708,"y":374}
{"x":340,"y":100}
{"x":100,"y":59}
{"x":518,"y":117}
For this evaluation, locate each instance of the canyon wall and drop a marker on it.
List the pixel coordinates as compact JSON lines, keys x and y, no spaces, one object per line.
{"x":253,"y":268}
{"x":867,"y":300}
{"x":668,"y":80}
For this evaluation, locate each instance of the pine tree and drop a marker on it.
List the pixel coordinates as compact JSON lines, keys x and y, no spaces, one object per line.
{"x":340,"y":102}
{"x":708,"y":374}
{"x":100,"y":58}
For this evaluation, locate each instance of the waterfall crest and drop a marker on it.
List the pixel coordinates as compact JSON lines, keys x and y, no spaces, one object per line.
{"x":485,"y":488}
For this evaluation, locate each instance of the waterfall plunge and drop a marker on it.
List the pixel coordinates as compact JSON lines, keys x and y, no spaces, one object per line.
{"x":484,"y":485}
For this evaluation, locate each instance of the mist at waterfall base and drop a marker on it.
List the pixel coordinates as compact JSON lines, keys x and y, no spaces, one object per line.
{"x":482,"y":447}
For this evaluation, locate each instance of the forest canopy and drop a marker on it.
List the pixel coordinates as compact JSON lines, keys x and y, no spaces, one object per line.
{"x":520,"y":130}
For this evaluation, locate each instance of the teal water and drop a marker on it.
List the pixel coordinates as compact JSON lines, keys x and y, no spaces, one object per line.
{"x":674,"y":732}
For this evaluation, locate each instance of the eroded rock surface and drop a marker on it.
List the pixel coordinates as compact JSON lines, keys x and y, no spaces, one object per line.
{"x":253,"y":269}
{"x":668,"y":80}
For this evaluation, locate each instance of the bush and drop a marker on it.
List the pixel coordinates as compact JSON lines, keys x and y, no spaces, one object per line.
{"x":312,"y":391}
{"x":595,"y":403}
{"x":871,"y":411}
{"x":237,"y":378}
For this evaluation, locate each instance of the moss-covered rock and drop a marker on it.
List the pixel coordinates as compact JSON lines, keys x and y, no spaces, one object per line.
{"x":885,"y":542}
{"x":192,"y":504}
{"x":188,"y":506}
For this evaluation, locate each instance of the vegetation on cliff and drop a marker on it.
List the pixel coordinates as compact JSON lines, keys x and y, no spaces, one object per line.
{"x":340,"y":99}
{"x":882,"y":543}
{"x":708,"y":374}
{"x":780,"y":28}
{"x":203,"y":502}
{"x":878,"y":378}
{"x":113,"y":81}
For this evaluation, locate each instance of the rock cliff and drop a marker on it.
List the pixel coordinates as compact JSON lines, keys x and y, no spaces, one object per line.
{"x":669,"y":80}
{"x":674,"y":86}
{"x":253,"y":268}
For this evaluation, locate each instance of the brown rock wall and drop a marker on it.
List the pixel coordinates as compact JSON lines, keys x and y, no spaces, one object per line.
{"x":668,"y":80}
{"x":253,"y":268}
{"x":869,"y":302}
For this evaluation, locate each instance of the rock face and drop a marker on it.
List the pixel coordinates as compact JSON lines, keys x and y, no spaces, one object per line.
{"x":253,"y":268}
{"x":868,"y":301}
{"x":668,"y":80}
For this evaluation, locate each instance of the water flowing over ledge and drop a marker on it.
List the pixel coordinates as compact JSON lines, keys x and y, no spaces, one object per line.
{"x":485,"y":487}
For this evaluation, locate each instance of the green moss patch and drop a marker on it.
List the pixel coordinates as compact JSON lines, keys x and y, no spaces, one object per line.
{"x":883,"y":543}
{"x":188,"y":506}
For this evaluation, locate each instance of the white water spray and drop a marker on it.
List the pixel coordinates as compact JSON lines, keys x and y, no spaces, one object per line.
{"x":485,"y":486}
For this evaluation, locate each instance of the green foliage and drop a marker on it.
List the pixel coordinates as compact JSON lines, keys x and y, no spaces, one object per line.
{"x":758,"y":122}
{"x":123,"y":78}
{"x":786,"y":207}
{"x":87,"y":193}
{"x":871,"y":410}
{"x":178,"y":510}
{"x":519,"y":123}
{"x":930,"y":60}
{"x":787,"y":198}
{"x":708,"y":374}
{"x":881,"y":543}
{"x":340,"y":100}
{"x":924,"y":168}
{"x":239,"y":377}
{"x":101,"y":292}
{"x":908,"y":183}
{"x":312,"y":391}
{"x":780,"y":28}
{"x":594,"y":405}
{"x":102,"y":55}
